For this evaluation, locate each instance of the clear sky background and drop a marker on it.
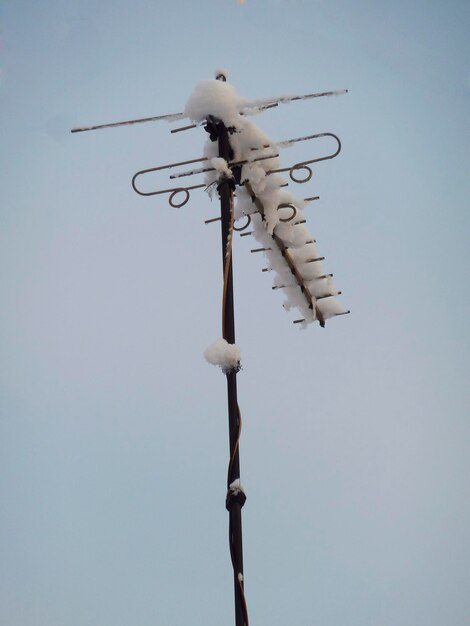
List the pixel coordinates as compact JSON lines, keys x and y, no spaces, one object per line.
{"x":114,"y":440}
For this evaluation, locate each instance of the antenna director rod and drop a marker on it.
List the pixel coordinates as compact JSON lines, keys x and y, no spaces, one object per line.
{"x":171,"y":117}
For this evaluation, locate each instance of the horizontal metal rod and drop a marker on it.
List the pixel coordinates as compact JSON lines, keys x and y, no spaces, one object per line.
{"x":320,"y":258}
{"x":213,"y":219}
{"x":181,"y":128}
{"x":268,"y":106}
{"x":267,"y":102}
{"x":260,"y":105}
{"x":334,"y":315}
{"x":330,"y":295}
{"x":296,"y":285}
{"x":260,"y":249}
{"x":286,"y":143}
{"x":202,"y":170}
{"x":170,"y":117}
{"x":270,"y":103}
{"x":178,"y":130}
{"x":306,"y":243}
{"x":308,"y":96}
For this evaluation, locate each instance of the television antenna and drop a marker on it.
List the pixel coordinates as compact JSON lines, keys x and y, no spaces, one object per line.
{"x":241,"y":161}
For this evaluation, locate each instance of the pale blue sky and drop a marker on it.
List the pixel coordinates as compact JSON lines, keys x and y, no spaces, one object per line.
{"x":355,"y":450}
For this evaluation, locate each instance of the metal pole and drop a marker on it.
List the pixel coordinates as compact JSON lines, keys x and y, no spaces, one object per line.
{"x":234,"y":504}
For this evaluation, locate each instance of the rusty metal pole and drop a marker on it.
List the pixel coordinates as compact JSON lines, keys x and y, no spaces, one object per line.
{"x":235,"y":501}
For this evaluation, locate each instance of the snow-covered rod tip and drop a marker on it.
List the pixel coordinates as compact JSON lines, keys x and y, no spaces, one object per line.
{"x":221,"y":74}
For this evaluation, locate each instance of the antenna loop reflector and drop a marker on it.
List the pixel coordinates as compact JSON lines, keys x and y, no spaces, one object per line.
{"x":303,"y":165}
{"x":245,"y":226}
{"x":175,"y":193}
{"x":287,"y":206}
{"x":298,"y":167}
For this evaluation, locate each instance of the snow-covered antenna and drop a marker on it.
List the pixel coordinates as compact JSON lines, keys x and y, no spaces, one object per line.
{"x":242,"y":164}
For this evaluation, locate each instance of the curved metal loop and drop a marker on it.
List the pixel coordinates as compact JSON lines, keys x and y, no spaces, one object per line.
{"x":173,"y":191}
{"x":245,"y":226}
{"x":302,"y":165}
{"x":287,"y":206}
{"x":176,"y":192}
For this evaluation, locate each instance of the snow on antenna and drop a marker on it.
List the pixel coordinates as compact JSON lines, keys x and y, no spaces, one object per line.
{"x":242,"y":164}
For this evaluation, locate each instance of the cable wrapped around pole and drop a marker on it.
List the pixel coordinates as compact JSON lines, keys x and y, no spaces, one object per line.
{"x":235,"y":496}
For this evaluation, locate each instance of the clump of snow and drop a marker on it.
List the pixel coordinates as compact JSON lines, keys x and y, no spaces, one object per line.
{"x":211,"y":151}
{"x":235,"y":487}
{"x":221,"y":166}
{"x":216,"y":98}
{"x":244,"y":204}
{"x":294,"y":299}
{"x":223,"y":354}
{"x":331,"y":307}
{"x":322,"y":287}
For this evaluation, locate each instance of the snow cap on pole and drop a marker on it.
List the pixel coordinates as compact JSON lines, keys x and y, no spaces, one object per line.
{"x":221,"y":74}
